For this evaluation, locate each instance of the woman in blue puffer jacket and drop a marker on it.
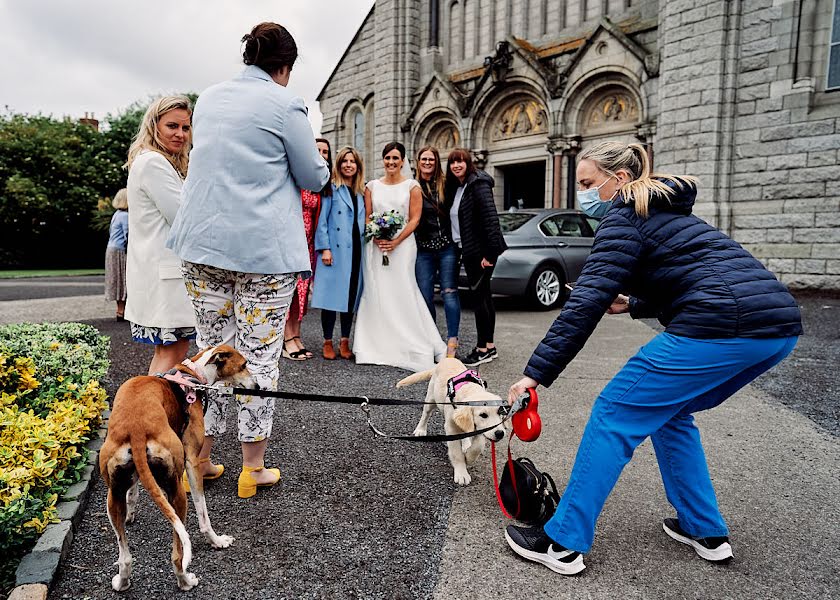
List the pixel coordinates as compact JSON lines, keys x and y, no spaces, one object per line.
{"x":727,"y":320}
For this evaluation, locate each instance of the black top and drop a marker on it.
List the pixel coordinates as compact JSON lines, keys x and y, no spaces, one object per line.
{"x":435,"y":228}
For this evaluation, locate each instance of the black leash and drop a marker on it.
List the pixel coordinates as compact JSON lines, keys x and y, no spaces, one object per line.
{"x":366,"y":402}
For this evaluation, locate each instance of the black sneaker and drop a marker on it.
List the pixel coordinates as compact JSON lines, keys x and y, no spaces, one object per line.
{"x":713,"y":549}
{"x":478,"y":357}
{"x":532,"y":543}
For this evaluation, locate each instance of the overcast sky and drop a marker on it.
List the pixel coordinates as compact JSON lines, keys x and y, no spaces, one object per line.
{"x":63,"y":57}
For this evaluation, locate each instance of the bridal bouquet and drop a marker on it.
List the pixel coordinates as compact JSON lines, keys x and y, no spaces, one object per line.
{"x":384,"y":226}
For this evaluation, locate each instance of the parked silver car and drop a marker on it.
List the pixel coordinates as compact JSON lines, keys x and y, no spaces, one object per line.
{"x":546,"y":250}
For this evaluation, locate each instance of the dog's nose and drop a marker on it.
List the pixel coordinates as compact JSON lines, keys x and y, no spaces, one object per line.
{"x":499,"y":435}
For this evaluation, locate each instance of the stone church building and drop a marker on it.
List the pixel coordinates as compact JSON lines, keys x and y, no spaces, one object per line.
{"x":744,"y":94}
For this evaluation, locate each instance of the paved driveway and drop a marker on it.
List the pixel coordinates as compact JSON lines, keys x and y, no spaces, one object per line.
{"x":359,"y":517}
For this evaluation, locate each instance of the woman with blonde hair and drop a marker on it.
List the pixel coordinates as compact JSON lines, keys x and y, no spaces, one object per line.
{"x":157,"y":306}
{"x":727,"y":320}
{"x":437,"y":256}
{"x":338,"y":240}
{"x":115,"y":253}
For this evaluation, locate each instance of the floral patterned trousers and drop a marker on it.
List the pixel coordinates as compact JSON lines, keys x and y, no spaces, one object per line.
{"x":246,"y":311}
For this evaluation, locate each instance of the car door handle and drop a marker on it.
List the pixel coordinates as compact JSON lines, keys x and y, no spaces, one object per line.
{"x":562,"y":244}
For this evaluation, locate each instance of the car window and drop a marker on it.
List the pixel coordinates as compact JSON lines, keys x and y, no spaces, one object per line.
{"x":593,"y":223}
{"x":513,"y":221}
{"x":562,"y":226}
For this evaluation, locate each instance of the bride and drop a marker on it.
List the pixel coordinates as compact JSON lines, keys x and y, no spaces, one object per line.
{"x":393,"y":324}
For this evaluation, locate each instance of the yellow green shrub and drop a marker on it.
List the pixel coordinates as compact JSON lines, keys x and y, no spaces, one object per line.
{"x":50,"y":402}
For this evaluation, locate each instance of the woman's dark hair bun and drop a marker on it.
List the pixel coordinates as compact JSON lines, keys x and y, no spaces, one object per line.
{"x":270,"y":47}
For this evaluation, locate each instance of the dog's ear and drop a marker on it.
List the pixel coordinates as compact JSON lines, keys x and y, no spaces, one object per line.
{"x":219,"y":358}
{"x":463,"y":418}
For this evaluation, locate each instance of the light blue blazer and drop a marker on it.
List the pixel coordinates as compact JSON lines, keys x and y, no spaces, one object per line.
{"x":331,"y":287}
{"x":253,"y":149}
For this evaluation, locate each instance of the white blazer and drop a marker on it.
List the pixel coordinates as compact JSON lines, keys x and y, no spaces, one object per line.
{"x":157,"y":296}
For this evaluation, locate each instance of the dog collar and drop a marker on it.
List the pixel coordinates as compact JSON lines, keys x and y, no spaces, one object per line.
{"x":460,"y":380}
{"x":185,"y":381}
{"x":195,"y":369}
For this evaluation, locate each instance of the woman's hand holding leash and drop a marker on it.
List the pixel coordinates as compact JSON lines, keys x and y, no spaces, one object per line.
{"x":620,"y":305}
{"x":519,"y":388}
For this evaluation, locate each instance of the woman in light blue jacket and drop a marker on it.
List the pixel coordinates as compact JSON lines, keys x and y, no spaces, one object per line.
{"x":253,"y":149}
{"x":338,"y":239}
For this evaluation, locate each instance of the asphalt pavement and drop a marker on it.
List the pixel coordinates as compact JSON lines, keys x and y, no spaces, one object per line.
{"x":357,"y":516}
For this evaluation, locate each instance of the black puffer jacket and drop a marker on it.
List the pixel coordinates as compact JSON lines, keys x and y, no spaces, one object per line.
{"x":481,"y":236}
{"x":697,"y":281}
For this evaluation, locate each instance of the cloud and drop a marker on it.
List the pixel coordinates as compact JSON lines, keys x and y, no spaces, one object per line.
{"x":68,"y":58}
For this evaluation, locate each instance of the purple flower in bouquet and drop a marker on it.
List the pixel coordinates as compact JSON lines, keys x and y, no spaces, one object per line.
{"x":384,"y":226}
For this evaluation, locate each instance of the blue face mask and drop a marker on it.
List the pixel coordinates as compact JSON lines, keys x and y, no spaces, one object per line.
{"x":591,"y":203}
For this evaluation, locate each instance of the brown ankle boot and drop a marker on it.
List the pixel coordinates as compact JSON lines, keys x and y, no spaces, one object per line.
{"x":329,"y":351}
{"x":344,"y":348}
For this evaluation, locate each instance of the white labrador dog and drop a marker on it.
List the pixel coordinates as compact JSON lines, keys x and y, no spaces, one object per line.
{"x":461,"y":419}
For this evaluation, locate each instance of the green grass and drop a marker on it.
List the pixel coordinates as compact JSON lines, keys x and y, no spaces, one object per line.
{"x":49,"y":273}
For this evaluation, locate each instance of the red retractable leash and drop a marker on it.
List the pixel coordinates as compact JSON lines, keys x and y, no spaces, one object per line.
{"x":527,"y":426}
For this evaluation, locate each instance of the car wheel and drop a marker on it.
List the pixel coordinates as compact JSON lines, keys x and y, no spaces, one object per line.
{"x":546,"y":289}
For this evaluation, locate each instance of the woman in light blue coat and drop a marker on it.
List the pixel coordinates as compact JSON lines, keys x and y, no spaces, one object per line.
{"x":338,"y":240}
{"x":239,"y":230}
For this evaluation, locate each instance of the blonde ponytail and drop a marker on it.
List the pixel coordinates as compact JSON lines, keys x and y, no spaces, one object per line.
{"x":644,"y":186}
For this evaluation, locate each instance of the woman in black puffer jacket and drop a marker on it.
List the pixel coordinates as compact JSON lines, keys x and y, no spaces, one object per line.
{"x":476,"y":232}
{"x":727,"y":320}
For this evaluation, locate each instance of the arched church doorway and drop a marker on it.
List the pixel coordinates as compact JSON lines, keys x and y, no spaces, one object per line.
{"x":513,"y":138}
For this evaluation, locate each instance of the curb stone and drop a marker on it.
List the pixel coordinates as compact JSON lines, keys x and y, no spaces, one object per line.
{"x":38,"y":568}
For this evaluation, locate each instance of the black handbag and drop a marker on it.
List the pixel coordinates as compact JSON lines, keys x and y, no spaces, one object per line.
{"x":525,"y":493}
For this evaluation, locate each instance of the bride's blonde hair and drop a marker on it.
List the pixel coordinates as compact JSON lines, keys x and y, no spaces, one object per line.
{"x":644,"y":186}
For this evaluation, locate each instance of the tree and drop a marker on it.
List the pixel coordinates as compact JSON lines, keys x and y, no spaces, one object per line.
{"x":57,"y":178}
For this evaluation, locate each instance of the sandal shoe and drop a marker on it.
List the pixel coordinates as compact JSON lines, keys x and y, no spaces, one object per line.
{"x":247,"y":485}
{"x":307,"y":353}
{"x":296,"y":355}
{"x":220,"y":469}
{"x":451,"y":348}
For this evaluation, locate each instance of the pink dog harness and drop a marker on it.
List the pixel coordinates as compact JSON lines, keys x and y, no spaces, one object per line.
{"x":460,"y":380}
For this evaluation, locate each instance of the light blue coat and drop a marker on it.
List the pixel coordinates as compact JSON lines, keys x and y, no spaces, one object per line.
{"x":332,"y":283}
{"x":253,"y":149}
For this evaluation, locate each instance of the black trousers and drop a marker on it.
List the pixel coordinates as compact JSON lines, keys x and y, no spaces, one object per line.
{"x":328,"y":323}
{"x":485,"y":312}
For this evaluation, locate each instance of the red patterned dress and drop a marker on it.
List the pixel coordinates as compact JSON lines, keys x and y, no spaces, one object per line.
{"x":311,"y":202}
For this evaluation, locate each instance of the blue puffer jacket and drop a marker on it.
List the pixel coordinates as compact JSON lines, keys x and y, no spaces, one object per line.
{"x":697,"y":281}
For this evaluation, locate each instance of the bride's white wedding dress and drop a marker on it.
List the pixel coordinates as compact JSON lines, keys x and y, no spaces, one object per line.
{"x":393,"y":323}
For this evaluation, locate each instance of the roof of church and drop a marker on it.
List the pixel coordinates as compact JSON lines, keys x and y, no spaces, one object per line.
{"x":346,"y":50}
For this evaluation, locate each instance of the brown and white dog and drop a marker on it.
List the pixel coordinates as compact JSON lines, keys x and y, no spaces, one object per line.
{"x":153,"y":435}
{"x":458,"y":419}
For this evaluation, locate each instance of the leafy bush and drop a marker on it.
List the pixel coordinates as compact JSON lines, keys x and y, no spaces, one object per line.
{"x":50,"y":401}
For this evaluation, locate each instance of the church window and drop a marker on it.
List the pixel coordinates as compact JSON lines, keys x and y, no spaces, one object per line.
{"x":456,"y":22}
{"x":833,"y":79}
{"x":359,"y":131}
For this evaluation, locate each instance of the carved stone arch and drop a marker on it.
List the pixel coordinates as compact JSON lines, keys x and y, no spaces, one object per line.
{"x":516,"y":115}
{"x":608,"y":100}
{"x":439,"y":129}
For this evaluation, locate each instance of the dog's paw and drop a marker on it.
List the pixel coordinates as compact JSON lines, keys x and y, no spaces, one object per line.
{"x":129,"y":517}
{"x":463,"y":478}
{"x":222,"y":541}
{"x":119,"y":584}
{"x":187,"y":581}
{"x":418,"y":432}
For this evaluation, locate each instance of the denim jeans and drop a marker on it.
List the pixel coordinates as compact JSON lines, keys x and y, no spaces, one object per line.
{"x":654,"y":395}
{"x":442,"y":266}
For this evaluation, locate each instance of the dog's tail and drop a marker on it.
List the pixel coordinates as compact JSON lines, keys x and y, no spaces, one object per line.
{"x":141,"y":463}
{"x":416,"y":378}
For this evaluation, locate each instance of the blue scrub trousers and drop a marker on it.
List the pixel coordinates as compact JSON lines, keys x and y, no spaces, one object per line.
{"x":654,"y":395}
